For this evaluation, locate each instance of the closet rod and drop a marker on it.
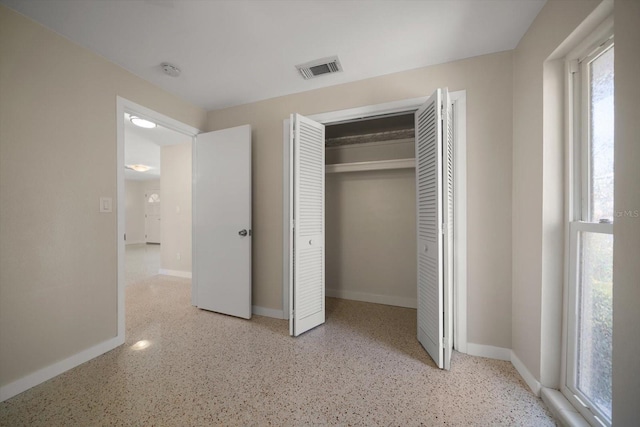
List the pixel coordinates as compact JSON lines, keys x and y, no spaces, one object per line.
{"x":370,"y":166}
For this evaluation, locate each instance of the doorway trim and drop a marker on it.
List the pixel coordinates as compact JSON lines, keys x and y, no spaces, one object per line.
{"x":459,"y":99}
{"x":125,"y":106}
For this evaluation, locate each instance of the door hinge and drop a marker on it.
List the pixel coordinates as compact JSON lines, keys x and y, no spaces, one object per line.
{"x":293,"y":223}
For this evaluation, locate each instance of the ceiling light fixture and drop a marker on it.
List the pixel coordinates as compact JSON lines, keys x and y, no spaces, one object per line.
{"x":138,"y":168}
{"x":143,"y":123}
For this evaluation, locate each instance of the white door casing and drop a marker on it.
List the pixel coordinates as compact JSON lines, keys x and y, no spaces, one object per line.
{"x":434,"y":277}
{"x":222,"y":221}
{"x":307,"y":275}
{"x":152,"y":218}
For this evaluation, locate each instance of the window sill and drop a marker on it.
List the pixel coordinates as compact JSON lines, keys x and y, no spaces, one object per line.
{"x":562,"y":410}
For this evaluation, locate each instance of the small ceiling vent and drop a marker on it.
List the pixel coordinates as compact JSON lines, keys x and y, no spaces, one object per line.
{"x":319,"y":67}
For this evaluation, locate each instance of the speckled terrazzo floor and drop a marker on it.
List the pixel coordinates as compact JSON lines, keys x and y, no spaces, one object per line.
{"x":142,"y":261}
{"x":363,"y":367}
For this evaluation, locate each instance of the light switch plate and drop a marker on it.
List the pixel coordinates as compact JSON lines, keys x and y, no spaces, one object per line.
{"x":105,"y":204}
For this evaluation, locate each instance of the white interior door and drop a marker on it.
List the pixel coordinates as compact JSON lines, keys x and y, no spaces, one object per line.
{"x":152,"y":216}
{"x":434,"y":284}
{"x":307,"y":275}
{"x":222,"y":221}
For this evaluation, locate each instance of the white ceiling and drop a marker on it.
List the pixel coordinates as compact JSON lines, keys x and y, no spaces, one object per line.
{"x":142,"y":146}
{"x":234,"y":52}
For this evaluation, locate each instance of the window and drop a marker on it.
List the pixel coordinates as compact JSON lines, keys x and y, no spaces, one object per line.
{"x":590,"y":285}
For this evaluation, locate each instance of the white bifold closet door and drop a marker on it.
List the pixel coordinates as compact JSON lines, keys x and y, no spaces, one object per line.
{"x":434,"y":203}
{"x":306,"y":263}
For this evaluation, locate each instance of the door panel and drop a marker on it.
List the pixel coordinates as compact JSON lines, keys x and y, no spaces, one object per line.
{"x":434,"y":292}
{"x":152,"y":219}
{"x":308,"y":284}
{"x":222,"y":221}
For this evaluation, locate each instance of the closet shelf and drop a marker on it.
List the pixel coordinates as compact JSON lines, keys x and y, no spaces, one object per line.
{"x":370,"y":166}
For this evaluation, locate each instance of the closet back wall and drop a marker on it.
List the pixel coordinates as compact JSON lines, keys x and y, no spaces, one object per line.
{"x":371,"y":227}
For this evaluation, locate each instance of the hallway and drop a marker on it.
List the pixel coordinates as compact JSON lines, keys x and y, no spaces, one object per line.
{"x":141,"y":261}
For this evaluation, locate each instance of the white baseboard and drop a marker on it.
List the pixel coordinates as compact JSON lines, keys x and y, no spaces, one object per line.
{"x":267,"y":312}
{"x":38,"y":377}
{"x":374,"y":298}
{"x":176,"y":273}
{"x":134,"y":242}
{"x":531,"y":381}
{"x":492,"y":352}
{"x":507,"y":354}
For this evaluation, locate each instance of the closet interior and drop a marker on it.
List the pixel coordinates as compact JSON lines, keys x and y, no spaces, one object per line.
{"x":370,"y":210}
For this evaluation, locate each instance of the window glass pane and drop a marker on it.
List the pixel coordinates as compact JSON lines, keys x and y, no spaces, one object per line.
{"x":601,"y":137}
{"x":595,"y":316}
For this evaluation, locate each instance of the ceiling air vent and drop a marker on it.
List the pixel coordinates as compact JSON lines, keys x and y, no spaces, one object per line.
{"x":319,"y":67}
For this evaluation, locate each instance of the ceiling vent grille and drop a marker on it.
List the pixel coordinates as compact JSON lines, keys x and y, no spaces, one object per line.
{"x":319,"y":67}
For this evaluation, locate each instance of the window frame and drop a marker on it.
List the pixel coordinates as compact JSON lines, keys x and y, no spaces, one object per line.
{"x":578,"y":212}
{"x":583,"y":133}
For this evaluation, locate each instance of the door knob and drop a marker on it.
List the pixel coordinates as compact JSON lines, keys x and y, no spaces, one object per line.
{"x":243,"y":232}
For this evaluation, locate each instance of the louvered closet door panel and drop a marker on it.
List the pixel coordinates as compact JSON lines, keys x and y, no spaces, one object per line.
{"x":308,"y":195}
{"x":448,"y":147}
{"x":428,"y":122}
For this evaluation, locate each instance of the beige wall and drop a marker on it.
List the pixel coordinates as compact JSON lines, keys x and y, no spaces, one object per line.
{"x":487,"y":80}
{"x":57,"y":157}
{"x":135,"y":208}
{"x":175,"y":251}
{"x":626,"y":229}
{"x":536,"y":211}
{"x":371,"y":227}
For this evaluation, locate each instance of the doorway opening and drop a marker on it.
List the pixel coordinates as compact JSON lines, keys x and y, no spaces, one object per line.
{"x":154,"y":181}
{"x":156,"y":157}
